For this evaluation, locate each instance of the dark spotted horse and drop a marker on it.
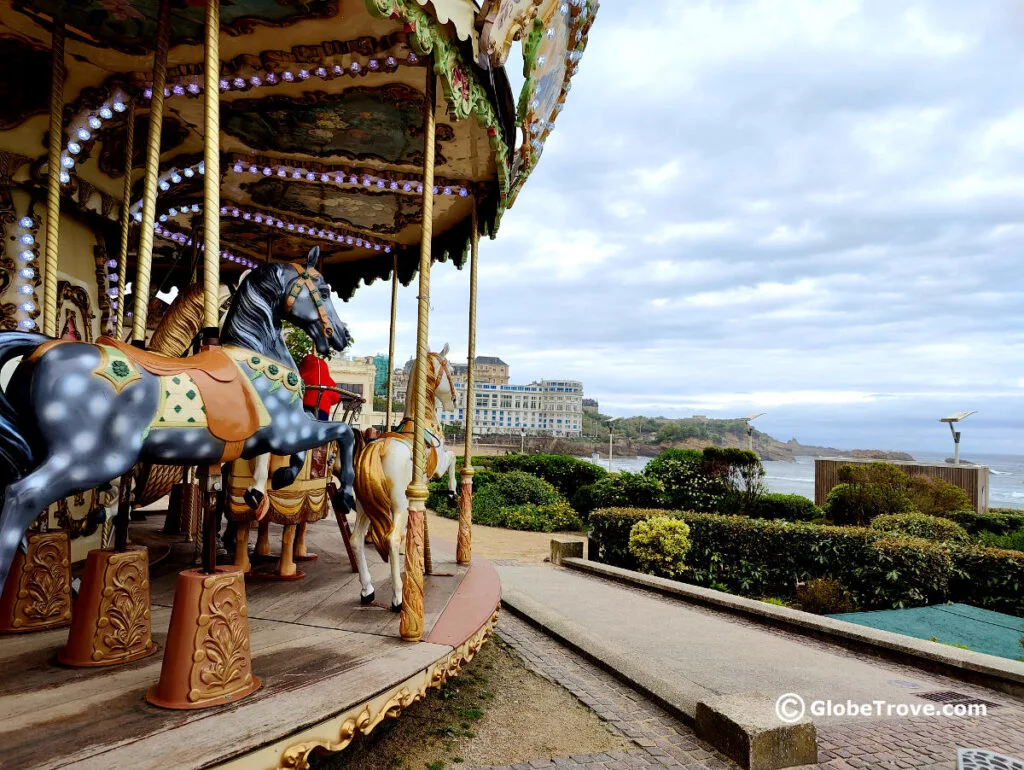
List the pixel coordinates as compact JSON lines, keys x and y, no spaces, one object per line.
{"x":76,"y":415}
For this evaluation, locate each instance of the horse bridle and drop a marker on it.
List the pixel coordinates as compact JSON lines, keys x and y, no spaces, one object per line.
{"x":307,"y":279}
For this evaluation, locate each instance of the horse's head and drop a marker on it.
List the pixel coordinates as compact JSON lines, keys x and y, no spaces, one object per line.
{"x":308,"y":305}
{"x":440,"y":379}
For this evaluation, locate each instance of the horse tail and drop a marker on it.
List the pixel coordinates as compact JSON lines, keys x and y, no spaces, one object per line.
{"x":371,"y":487}
{"x":16,"y":455}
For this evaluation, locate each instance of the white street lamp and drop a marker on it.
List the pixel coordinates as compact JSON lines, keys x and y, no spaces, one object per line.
{"x":750,"y":429}
{"x":952,"y":420}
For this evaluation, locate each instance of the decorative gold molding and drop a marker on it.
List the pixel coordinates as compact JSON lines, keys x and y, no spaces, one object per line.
{"x":362,"y":719}
{"x":38,"y":594}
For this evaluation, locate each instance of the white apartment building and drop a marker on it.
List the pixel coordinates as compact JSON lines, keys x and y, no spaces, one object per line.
{"x":548,"y":407}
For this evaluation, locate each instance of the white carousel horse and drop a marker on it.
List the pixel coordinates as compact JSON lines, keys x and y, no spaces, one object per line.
{"x":384,"y":471}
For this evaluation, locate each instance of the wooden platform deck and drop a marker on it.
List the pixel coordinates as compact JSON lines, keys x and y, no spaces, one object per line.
{"x":330,"y":668}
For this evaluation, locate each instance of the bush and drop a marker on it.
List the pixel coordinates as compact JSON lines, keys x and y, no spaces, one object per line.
{"x":934,"y":497}
{"x":857,"y":504}
{"x":564,"y":473}
{"x":755,"y":557}
{"x":990,"y":578}
{"x":437,"y":500}
{"x":823,"y":596}
{"x":620,"y":489}
{"x":995,"y":522}
{"x":659,"y":545}
{"x":1014,"y":541}
{"x":506,"y":490}
{"x":920,"y":525}
{"x":789,"y":507}
{"x":554,"y":517}
{"x":684,"y":482}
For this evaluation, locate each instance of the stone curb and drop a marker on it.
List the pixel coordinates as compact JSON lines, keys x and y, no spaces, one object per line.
{"x":975,"y":667}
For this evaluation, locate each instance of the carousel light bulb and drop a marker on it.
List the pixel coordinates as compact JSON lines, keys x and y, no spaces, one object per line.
{"x":234,"y":212}
{"x":359,"y":241}
{"x":105,"y":112}
{"x":374,"y":65}
{"x":564,"y":9}
{"x":224,"y":85}
{"x":296,"y":173}
{"x":238,"y":83}
{"x":25,"y":289}
{"x":338,"y":69}
{"x":65,"y":177}
{"x":74,"y":148}
{"x":366,"y":181}
{"x":351,"y":180}
{"x":67,"y":162}
{"x":246,"y":215}
{"x":26,"y":222}
{"x":111,"y":263}
{"x":271,"y":78}
{"x":349,"y":240}
{"x":193,"y":88}
{"x":324,"y":177}
{"x":550,"y":33}
{"x":419,"y":188}
{"x":287,"y":76}
{"x":387,"y":249}
{"x":163,"y":185}
{"x":112,"y":292}
{"x":258,"y":219}
{"x":27,"y":323}
{"x":172,"y":211}
{"x":291,"y":226}
{"x":447,"y":190}
{"x":237,"y":168}
{"x":27,"y":273}
{"x":266,"y":171}
{"x":178,"y":89}
{"x":162,"y":217}
{"x":202,"y":167}
{"x":138,"y":216}
{"x":256,"y":81}
{"x":27,"y":256}
{"x":147,"y":93}
{"x":390,"y":61}
{"x":26,"y":239}
{"x":253,"y":170}
{"x":380,"y":184}
{"x":95,"y":122}
{"x":338,"y":179}
{"x":413,"y":58}
{"x":176,"y":177}
{"x":407,"y":187}
{"x":83,"y":134}
{"x":463,"y":192}
{"x":310,"y":176}
{"x":282,"y":171}
{"x":189,"y":172}
{"x":28,"y":307}
{"x":393,"y":185}
{"x":302,"y":228}
{"x":119,"y":106}
{"x":321,"y":72}
{"x":355,"y":68}
{"x":195,"y":207}
{"x":303,"y":73}
{"x":376,"y":247}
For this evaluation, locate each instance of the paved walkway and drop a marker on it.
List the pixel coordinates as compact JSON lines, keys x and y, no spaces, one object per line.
{"x":687,"y":652}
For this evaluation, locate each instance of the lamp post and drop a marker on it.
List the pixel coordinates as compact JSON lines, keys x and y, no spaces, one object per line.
{"x":952,"y":420}
{"x":522,"y":441}
{"x":611,"y":432}
{"x":750,"y":429}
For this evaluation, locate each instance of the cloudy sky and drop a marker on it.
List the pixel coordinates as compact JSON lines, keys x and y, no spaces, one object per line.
{"x":812,"y":209}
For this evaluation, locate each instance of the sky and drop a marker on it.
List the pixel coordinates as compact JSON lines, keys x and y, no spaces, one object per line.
{"x":809,"y":209}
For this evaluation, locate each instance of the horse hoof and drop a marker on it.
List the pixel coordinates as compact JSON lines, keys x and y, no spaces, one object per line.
{"x":396,"y":607}
{"x":368,"y":599}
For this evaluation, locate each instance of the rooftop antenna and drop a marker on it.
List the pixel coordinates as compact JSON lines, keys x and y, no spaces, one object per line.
{"x":750,"y":429}
{"x":952,"y":419}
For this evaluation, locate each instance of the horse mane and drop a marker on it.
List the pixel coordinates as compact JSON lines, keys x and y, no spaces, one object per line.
{"x":180,"y":324}
{"x":253,"y":321}
{"x":429,"y":408}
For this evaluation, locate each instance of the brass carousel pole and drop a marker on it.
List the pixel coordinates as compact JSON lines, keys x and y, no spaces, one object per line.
{"x":126,"y":221}
{"x":53,"y":169}
{"x":391,"y":341}
{"x":144,"y":261}
{"x":464,"y":549}
{"x":202,"y":592}
{"x":411,"y":625}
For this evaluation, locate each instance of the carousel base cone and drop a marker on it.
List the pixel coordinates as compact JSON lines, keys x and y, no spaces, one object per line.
{"x":111,"y":622}
{"x":37,"y":594}
{"x":206,"y":661}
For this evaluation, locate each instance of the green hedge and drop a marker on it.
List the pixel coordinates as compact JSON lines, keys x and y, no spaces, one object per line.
{"x":516,"y":500}
{"x":993,"y":522}
{"x":990,"y":578}
{"x":775,"y":505}
{"x":564,"y":473}
{"x":757,"y":558}
{"x":920,"y":525}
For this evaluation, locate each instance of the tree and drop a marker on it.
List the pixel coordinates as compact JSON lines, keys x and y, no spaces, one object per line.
{"x":453,"y":430}
{"x":299,"y":344}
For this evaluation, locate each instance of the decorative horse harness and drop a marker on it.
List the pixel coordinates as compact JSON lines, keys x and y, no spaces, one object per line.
{"x":307,"y":280}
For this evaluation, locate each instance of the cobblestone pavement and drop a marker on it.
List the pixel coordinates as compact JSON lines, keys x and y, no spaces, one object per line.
{"x":661,"y":741}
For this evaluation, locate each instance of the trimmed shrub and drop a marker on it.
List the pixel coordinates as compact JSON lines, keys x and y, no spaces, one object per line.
{"x":683,"y":479}
{"x":995,"y":522}
{"x":506,"y":490}
{"x":620,"y":489}
{"x":659,"y":545}
{"x":789,"y":507}
{"x":1014,"y":541}
{"x":990,"y":578}
{"x":935,"y":496}
{"x":857,"y":504}
{"x":553,"y":517}
{"x":823,"y":596}
{"x":920,"y":525}
{"x":437,"y":500}
{"x":755,"y":557}
{"x":564,"y":473}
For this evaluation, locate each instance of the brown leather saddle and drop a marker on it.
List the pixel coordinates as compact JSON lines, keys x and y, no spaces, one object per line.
{"x":232,"y":411}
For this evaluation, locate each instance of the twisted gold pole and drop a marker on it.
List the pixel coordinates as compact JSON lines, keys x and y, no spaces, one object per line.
{"x":53,"y":169}
{"x":464,"y":548}
{"x":126,"y":221}
{"x":411,"y":625}
{"x":211,"y":182}
{"x":144,"y":261}
{"x":391,"y":339}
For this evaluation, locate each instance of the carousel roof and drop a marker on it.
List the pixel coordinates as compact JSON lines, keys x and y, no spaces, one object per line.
{"x":322,"y":105}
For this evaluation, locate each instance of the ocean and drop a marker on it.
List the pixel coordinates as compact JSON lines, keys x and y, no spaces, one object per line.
{"x":1006,"y":475}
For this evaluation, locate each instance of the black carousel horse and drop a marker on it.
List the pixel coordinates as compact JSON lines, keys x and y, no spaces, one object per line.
{"x":76,"y":415}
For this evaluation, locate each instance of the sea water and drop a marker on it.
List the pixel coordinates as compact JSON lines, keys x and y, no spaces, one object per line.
{"x":1005,"y":481}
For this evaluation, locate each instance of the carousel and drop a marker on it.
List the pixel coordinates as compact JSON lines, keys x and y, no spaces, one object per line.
{"x":180,"y":181}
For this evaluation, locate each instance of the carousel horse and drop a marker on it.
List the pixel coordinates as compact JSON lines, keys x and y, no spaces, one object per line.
{"x":76,"y":415}
{"x":383,"y":472}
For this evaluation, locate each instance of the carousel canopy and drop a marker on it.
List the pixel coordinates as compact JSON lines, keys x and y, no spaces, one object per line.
{"x":321,"y":124}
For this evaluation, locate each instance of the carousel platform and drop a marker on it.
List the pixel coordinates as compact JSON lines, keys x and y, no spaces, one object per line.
{"x":331,"y":670}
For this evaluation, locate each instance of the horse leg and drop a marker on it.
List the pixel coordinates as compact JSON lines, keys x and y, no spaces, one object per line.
{"x":263,"y":539}
{"x":286,"y":566}
{"x":399,"y":517}
{"x":242,"y":546}
{"x":285,"y":477}
{"x":300,"y":539}
{"x":362,"y":526}
{"x":453,"y":496}
{"x":255,"y":495}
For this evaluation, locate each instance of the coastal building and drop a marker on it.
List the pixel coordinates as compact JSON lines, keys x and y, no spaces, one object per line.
{"x":486,"y":369}
{"x":359,"y":376}
{"x":590,"y":405}
{"x":548,"y":407}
